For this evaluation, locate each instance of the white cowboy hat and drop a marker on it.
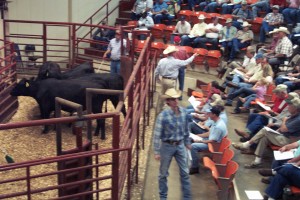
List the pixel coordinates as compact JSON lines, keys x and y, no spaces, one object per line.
{"x":274,"y":31}
{"x":246,"y":24}
{"x":283,"y":29}
{"x":201,"y":17}
{"x":171,"y":94}
{"x":170,"y":49}
{"x":229,"y":20}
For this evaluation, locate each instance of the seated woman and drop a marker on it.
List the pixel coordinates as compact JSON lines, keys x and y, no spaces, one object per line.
{"x":256,"y":92}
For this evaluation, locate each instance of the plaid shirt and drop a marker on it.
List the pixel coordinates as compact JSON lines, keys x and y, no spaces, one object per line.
{"x":170,"y":126}
{"x":274,"y":18}
{"x":285,"y":47}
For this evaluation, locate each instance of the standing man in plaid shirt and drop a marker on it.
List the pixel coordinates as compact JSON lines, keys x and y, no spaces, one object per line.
{"x":171,"y":138}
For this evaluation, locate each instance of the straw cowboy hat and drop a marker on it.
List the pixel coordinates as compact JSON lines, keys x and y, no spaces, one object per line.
{"x":283,"y":29}
{"x":229,"y":20}
{"x":274,"y":31}
{"x":245,"y":24}
{"x":170,"y":49}
{"x":201,"y":17}
{"x":171,"y":94}
{"x":280,"y":88}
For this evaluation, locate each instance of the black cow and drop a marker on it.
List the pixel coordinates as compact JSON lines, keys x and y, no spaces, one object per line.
{"x":52,"y":70}
{"x":45,"y":91}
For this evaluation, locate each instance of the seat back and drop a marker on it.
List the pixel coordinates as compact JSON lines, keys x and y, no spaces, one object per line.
{"x":157,"y":31}
{"x":168,"y":32}
{"x":214,"y":58}
{"x":223,"y":18}
{"x":231,"y":169}
{"x":201,"y":57}
{"x":139,"y":45}
{"x":158,"y":46}
{"x":225,"y":144}
{"x":227,"y":156}
{"x":132,"y":23}
{"x":186,"y":13}
{"x":256,"y":24}
{"x":209,"y":16}
{"x":189,"y":50}
{"x":194,"y":18}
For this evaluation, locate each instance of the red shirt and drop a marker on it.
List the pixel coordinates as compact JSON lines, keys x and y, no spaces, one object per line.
{"x":281,"y":3}
{"x":279,"y":104}
{"x":181,"y":54}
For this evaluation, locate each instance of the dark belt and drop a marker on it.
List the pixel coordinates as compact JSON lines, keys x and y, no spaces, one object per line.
{"x":169,"y":78}
{"x":171,"y":142}
{"x":115,"y":60}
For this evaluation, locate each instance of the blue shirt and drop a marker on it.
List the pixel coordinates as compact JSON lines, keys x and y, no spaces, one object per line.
{"x":223,"y":116}
{"x":217,"y":131}
{"x":159,"y":7}
{"x":170,"y":126}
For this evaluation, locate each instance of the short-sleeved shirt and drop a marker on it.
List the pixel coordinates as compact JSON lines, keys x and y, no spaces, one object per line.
{"x":261,"y":91}
{"x":297,"y":152}
{"x":292,"y":125}
{"x":115,"y":47}
{"x":213,"y":35}
{"x":274,"y":18}
{"x":199,"y":29}
{"x":244,"y":35}
{"x":285,"y":47}
{"x":183,"y":28}
{"x":247,"y":14}
{"x":217,"y":131}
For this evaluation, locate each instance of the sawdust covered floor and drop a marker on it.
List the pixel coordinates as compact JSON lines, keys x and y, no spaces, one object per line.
{"x":26,"y":144}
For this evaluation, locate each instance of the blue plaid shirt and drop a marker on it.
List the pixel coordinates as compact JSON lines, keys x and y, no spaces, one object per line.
{"x":170,"y":126}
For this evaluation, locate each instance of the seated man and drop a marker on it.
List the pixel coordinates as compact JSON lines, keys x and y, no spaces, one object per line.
{"x":283,"y":174}
{"x":104,"y":35}
{"x":145,"y":23}
{"x":283,"y":50}
{"x":160,"y":12}
{"x":242,"y":39}
{"x":292,"y":13}
{"x":241,"y":15}
{"x":260,"y":5}
{"x":139,"y":7}
{"x":197,"y":32}
{"x":217,"y":131}
{"x":271,"y":20}
{"x":265,"y":49}
{"x":211,"y":35}
{"x":182,"y":28}
{"x":257,"y":121}
{"x":289,"y":128}
{"x":227,"y":34}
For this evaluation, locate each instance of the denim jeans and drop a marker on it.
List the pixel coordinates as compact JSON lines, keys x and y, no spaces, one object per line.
{"x":240,"y":92}
{"x":196,"y":147}
{"x":159,"y":17}
{"x":236,"y":46}
{"x":291,"y":86}
{"x":291,"y":15}
{"x":212,"y":7}
{"x":202,"y":43}
{"x":186,"y":40}
{"x":280,"y":80}
{"x":286,"y":175}
{"x":181,"y":75}
{"x":203,"y":6}
{"x":260,"y":6}
{"x":115,"y":67}
{"x":228,"y":9}
{"x":256,"y":122}
{"x":194,"y":128}
{"x":167,"y":152}
{"x":248,"y":100}
{"x":265,"y":28}
{"x":191,"y":3}
{"x":237,"y":25}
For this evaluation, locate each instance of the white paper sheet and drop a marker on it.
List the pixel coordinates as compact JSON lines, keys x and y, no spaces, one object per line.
{"x":284,"y":155}
{"x":271,"y":130}
{"x":263,"y":106}
{"x":194,"y":102}
{"x":195,"y":137}
{"x":254,"y":195}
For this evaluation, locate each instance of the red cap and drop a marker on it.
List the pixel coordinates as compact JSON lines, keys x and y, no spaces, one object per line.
{"x":177,"y":39}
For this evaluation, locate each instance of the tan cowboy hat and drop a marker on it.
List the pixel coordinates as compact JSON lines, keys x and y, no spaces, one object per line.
{"x":218,"y":102}
{"x":170,"y":49}
{"x":201,"y":17}
{"x":246,"y":24}
{"x":274,"y":31}
{"x":295,"y":102}
{"x":171,"y":94}
{"x":283,"y":29}
{"x":229,"y":20}
{"x":280,"y":88}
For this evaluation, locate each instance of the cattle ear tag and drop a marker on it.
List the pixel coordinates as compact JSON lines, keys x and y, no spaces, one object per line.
{"x":27,"y":84}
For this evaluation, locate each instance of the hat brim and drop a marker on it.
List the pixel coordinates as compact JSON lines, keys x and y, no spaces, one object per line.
{"x":175,"y":96}
{"x":285,"y":31}
{"x":168,"y":51}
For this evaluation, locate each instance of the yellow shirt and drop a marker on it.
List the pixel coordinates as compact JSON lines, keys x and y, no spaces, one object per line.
{"x":198,"y":29}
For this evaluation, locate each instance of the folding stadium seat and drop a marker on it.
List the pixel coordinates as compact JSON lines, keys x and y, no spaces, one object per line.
{"x":223,"y":176}
{"x":209,"y":17}
{"x":168,"y":32}
{"x":194,"y":17}
{"x":216,"y":147}
{"x":132,"y":23}
{"x":139,"y":44}
{"x":223,"y":18}
{"x":157,"y":31}
{"x":213,"y":58}
{"x":186,"y":13}
{"x":256,"y":24}
{"x":158,"y":46}
{"x":201,"y":57}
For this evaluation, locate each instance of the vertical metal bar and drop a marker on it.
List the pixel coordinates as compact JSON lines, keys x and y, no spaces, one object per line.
{"x":88,"y":102}
{"x":70,"y":45}
{"x":74,"y":45}
{"x":28,"y":182}
{"x":58,"y":129}
{"x":45,"y":42}
{"x":97,"y":171}
{"x":129,"y":152}
{"x":115,"y":157}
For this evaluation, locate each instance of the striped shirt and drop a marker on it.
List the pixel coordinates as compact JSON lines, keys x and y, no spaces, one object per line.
{"x":115,"y":47}
{"x":170,"y":126}
{"x":285,"y":47}
{"x":168,"y":67}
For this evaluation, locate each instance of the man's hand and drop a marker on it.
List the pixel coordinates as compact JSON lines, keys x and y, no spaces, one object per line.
{"x":157,"y":157}
{"x":196,"y":54}
{"x":283,"y":149}
{"x":188,"y":146}
{"x":270,"y":125}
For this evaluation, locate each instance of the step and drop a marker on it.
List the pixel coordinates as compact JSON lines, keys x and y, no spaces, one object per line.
{"x":125,"y":14}
{"x":122,"y":21}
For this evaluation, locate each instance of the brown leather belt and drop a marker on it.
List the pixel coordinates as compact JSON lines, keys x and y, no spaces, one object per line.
{"x":171,"y":142}
{"x":169,"y":78}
